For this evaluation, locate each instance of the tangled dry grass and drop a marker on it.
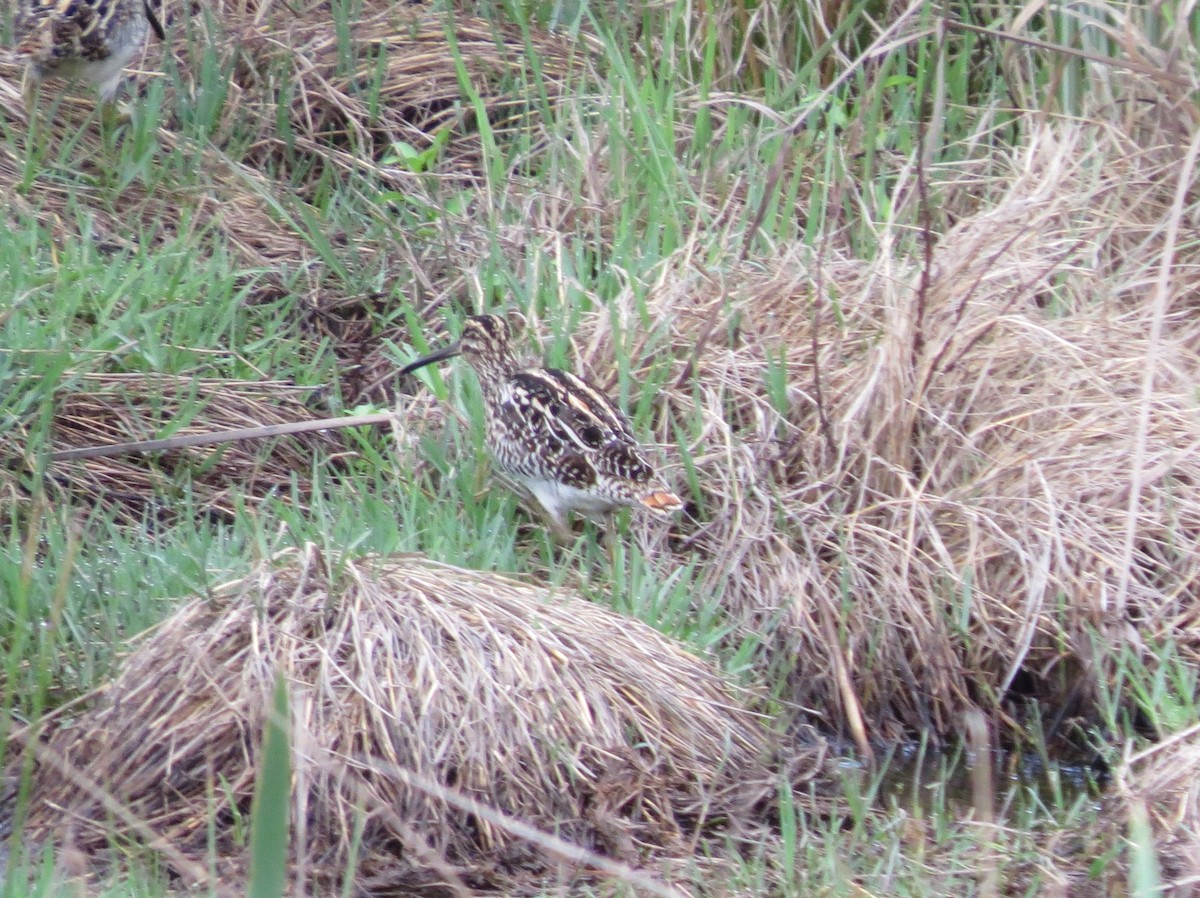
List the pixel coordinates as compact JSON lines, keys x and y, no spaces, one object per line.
{"x":980,"y":466}
{"x":1161,"y":785}
{"x":352,"y":97}
{"x":234,"y":206}
{"x":408,"y":681}
{"x":392,"y":77}
{"x":979,"y":469}
{"x":234,"y":210}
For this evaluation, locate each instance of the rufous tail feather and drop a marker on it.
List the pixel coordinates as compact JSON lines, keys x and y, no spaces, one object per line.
{"x":663,"y":501}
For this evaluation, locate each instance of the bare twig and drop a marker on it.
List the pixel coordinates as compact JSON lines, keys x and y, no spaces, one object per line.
{"x":1127,"y":64}
{"x":983,"y":790}
{"x":818,"y":392}
{"x":924,"y":153}
{"x":220,"y":436}
{"x":850,"y":703}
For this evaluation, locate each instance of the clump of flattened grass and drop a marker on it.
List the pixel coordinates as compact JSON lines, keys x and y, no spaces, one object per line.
{"x":64,"y":167}
{"x":377,"y":87}
{"x":104,"y":409}
{"x":548,"y":709}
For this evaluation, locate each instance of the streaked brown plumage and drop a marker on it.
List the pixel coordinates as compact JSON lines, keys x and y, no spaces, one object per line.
{"x":555,"y":434}
{"x":89,"y":39}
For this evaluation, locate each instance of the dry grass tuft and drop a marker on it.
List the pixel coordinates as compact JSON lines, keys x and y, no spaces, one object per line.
{"x":934,"y":512}
{"x":233,"y":206}
{"x":1163,"y":783}
{"x":390,"y":77}
{"x":112,"y":408}
{"x":348,"y":99}
{"x":550,"y":710}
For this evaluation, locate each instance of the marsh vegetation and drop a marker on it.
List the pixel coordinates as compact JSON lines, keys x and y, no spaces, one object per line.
{"x":905,"y":296}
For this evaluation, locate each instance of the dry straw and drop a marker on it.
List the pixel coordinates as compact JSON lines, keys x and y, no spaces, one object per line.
{"x":977,"y":466}
{"x":232,"y":207}
{"x":415,"y":689}
{"x":349,"y":100}
{"x":937,"y":512}
{"x":1163,"y":783}
{"x":392,"y":77}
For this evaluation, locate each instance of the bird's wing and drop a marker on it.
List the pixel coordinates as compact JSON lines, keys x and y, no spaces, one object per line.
{"x":565,"y":413}
{"x":64,"y":28}
{"x":33,"y":27}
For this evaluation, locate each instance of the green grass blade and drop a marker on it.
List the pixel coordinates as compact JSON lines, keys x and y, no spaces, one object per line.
{"x":270,"y":810}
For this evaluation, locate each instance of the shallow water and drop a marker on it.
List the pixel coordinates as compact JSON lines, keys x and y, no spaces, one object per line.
{"x":922,"y":779}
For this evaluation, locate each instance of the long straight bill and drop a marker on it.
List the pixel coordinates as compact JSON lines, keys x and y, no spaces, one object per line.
{"x":445,"y":352}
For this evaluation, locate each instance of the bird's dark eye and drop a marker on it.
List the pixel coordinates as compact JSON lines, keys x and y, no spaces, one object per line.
{"x":592,"y":435}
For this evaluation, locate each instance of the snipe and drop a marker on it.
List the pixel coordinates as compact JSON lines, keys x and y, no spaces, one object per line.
{"x":553,"y":433}
{"x":81,"y":39}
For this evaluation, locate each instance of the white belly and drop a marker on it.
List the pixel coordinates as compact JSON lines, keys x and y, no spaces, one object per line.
{"x":559,"y":498}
